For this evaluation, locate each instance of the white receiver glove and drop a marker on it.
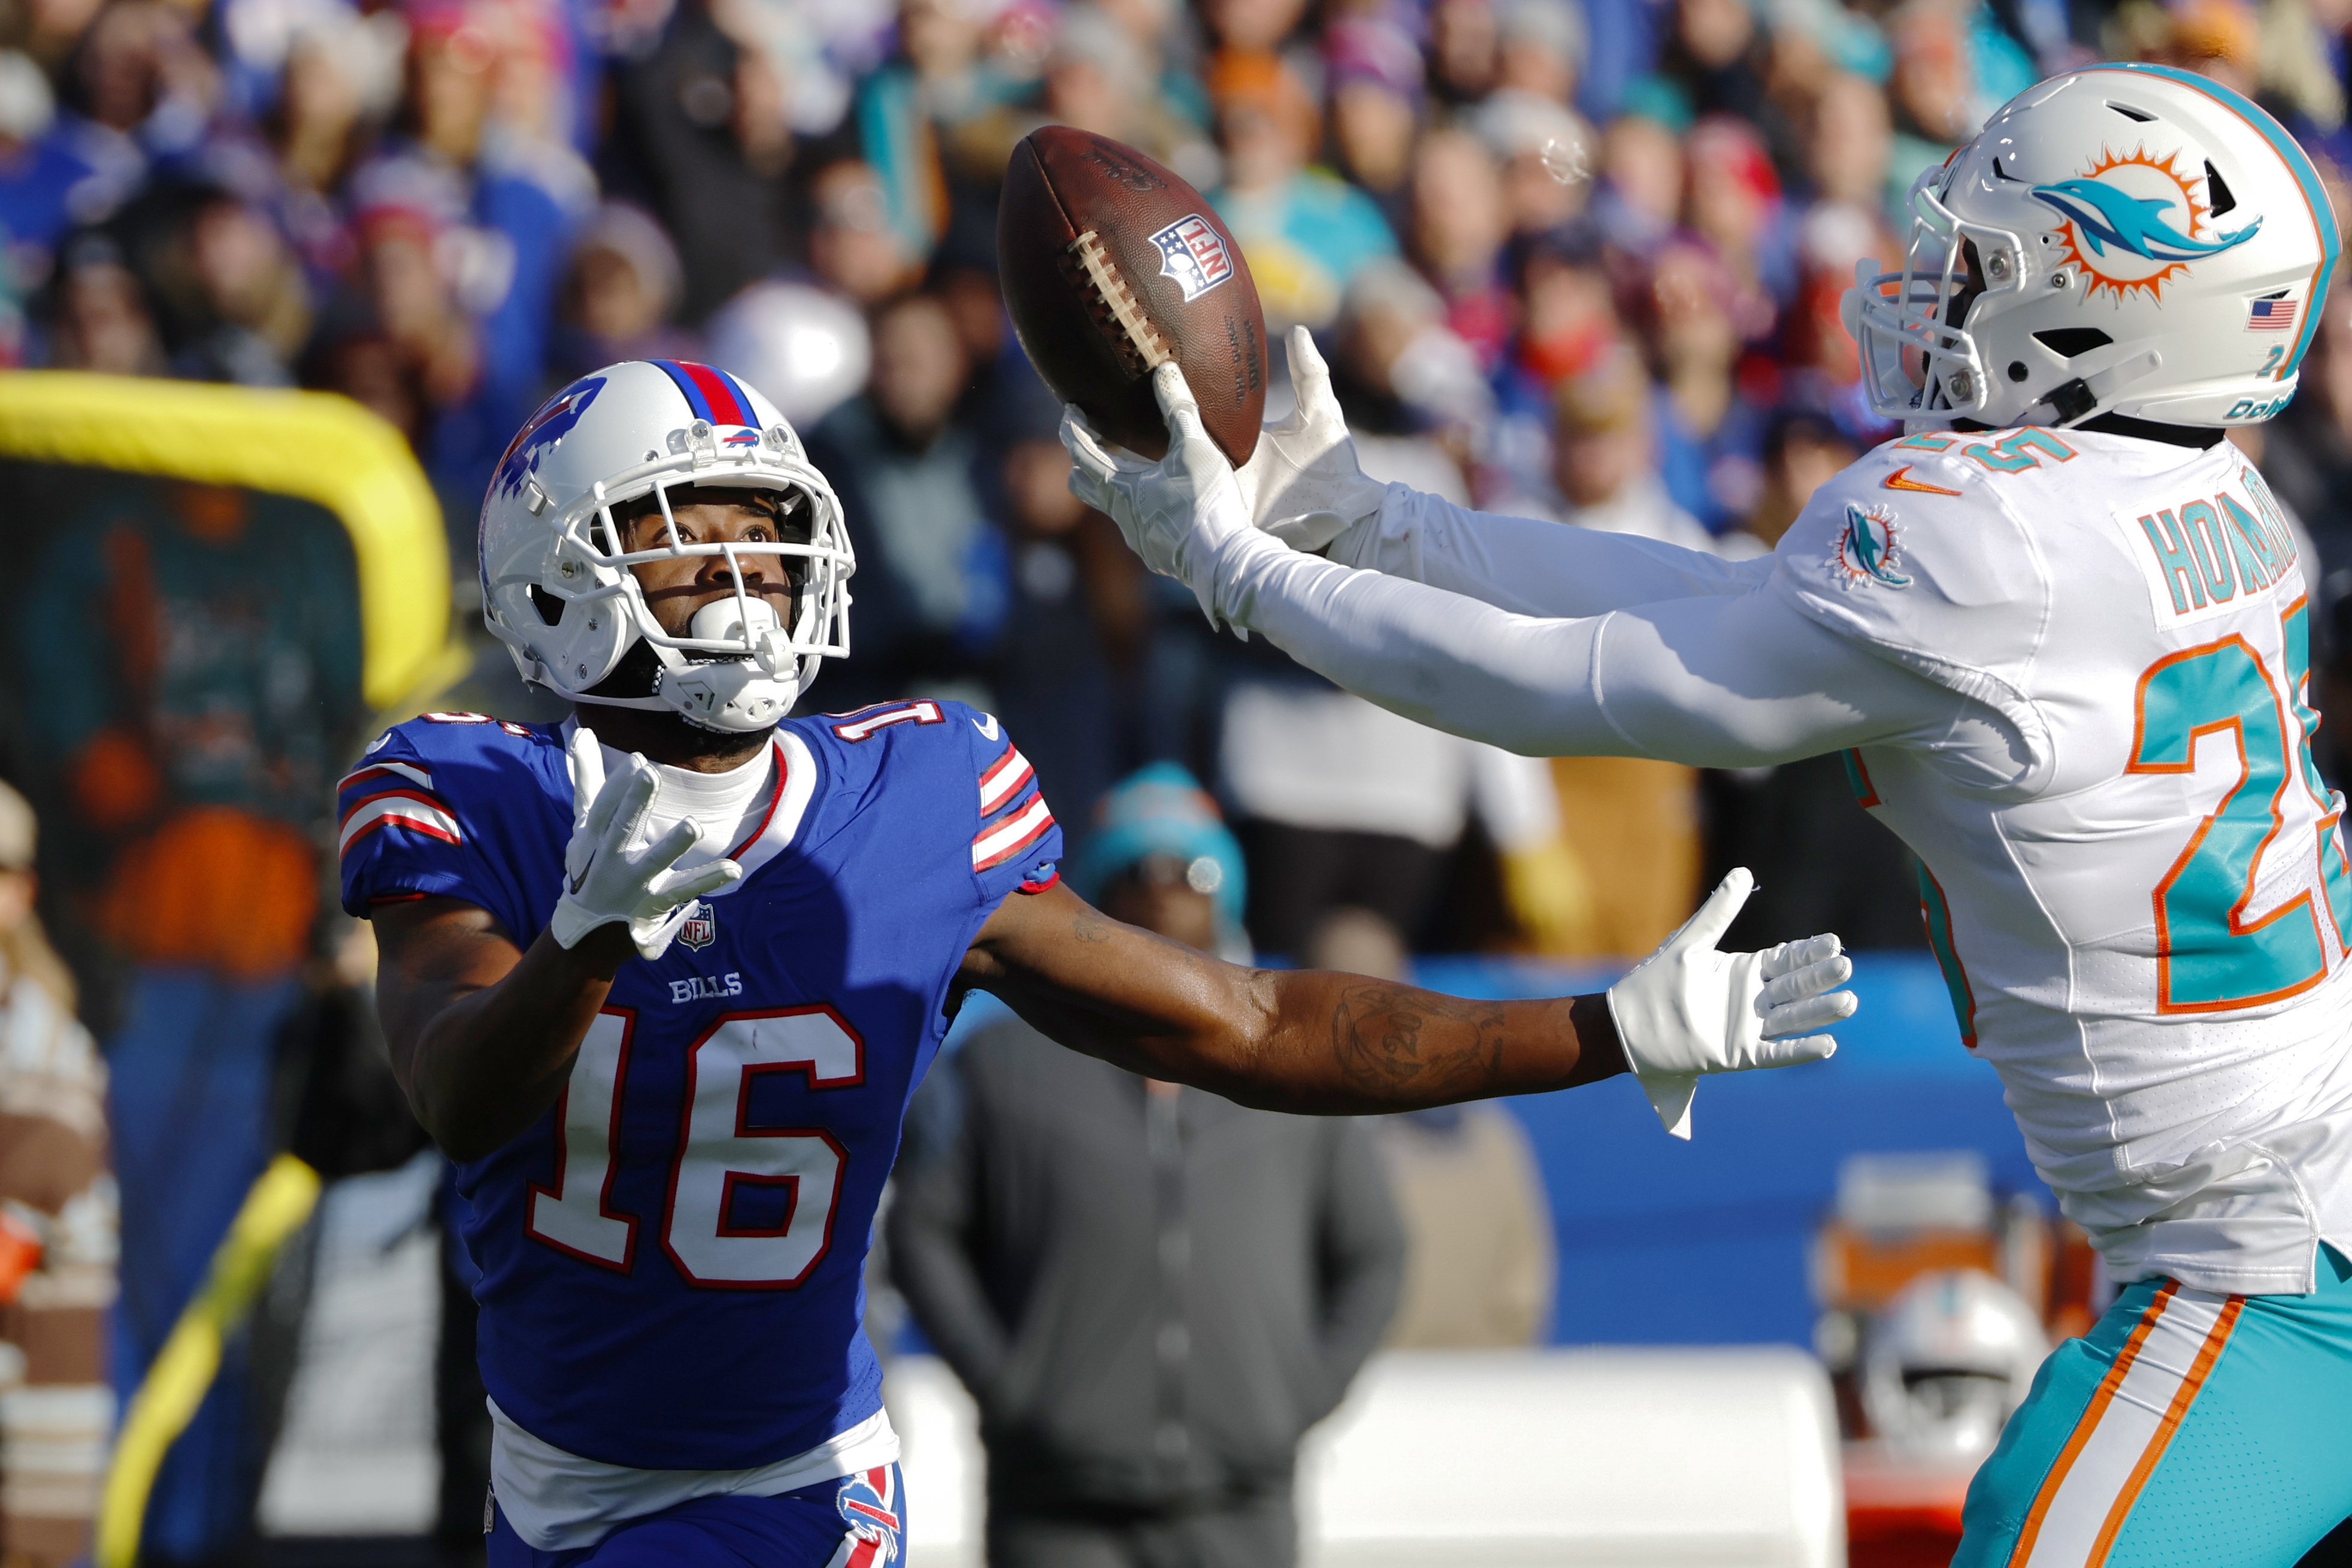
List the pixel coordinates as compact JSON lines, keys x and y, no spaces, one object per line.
{"x":1174,"y":513}
{"x":1688,"y":1010}
{"x":1301,"y":484}
{"x":604,"y":880}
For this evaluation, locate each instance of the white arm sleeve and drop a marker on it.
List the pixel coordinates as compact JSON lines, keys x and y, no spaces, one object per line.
{"x":1719,"y":680}
{"x":1528,"y":567}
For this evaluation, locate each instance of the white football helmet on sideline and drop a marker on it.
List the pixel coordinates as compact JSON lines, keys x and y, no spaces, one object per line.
{"x":556,"y":583}
{"x":1946,"y":1360}
{"x":2125,"y":239}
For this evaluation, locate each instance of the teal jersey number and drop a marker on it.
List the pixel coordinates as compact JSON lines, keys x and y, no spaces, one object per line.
{"x":2332,"y":871}
{"x":2210,"y":957}
{"x":1937,"y":912}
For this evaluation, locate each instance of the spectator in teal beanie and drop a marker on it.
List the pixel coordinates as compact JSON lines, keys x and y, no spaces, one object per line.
{"x":1157,"y":829}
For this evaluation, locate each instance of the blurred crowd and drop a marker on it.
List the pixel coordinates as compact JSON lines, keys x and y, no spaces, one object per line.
{"x":1572,"y":260}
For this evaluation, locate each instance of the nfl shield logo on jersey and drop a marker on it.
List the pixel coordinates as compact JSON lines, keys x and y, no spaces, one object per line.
{"x":1194,"y":254}
{"x":702,"y":927}
{"x":868,"y":1501}
{"x":1865,"y":550}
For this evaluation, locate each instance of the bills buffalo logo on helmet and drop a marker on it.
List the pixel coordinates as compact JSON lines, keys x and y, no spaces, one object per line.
{"x":1193,"y":253}
{"x":1865,"y":549}
{"x":547,"y":426}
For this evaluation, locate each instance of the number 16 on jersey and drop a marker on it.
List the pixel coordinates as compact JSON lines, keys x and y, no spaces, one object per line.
{"x":721,"y":1159}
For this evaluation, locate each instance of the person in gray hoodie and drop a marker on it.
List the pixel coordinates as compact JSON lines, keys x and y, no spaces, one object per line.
{"x":1150,"y":1291}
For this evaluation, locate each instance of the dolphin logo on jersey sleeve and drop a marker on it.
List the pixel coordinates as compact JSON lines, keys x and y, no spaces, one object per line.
{"x":1865,"y":550}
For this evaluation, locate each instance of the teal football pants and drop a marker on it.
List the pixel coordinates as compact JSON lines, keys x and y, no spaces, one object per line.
{"x":2186,"y":1427}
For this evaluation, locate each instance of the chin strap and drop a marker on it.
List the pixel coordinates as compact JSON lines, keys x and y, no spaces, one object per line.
{"x":2081,"y":398}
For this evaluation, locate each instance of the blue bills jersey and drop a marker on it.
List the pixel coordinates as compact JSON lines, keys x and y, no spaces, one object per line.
{"x":671,"y":1258}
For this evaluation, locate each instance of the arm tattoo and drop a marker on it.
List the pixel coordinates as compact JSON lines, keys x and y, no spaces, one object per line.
{"x":1088,"y":927}
{"x":1376,"y":1039}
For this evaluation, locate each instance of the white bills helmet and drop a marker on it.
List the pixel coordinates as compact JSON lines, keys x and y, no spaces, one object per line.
{"x":2125,"y":238}
{"x":556,"y":583}
{"x":1945,"y":1361}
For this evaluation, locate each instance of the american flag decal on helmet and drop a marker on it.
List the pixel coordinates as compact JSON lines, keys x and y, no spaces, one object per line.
{"x":2271,"y":316}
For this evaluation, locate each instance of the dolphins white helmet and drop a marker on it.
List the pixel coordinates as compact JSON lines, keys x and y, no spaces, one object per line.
{"x":2125,"y":239}
{"x":556,"y":583}
{"x":1945,"y":1361}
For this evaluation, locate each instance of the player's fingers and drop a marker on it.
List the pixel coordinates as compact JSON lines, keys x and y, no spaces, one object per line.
{"x":633,"y":801}
{"x":1089,"y":481}
{"x":1706,"y":928}
{"x":1810,"y":1012}
{"x":1790,"y":1053}
{"x":1083,"y":441}
{"x":666,"y":850}
{"x":1079,"y":438}
{"x":1310,"y":378}
{"x":1296,"y":420}
{"x":587,"y":759}
{"x":685,"y":885}
{"x":1177,"y":402}
{"x":1096,"y":468}
{"x":1791,"y":956}
{"x":1813,"y":980}
{"x":615,"y":798}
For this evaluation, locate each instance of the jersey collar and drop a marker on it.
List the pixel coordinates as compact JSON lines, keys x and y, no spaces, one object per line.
{"x":788,"y":801}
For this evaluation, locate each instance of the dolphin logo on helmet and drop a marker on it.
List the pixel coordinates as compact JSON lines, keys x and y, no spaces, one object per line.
{"x":2105,"y":216}
{"x":2053,"y":274}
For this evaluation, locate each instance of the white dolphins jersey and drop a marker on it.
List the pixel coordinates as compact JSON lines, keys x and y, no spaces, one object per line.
{"x":2142,"y":912}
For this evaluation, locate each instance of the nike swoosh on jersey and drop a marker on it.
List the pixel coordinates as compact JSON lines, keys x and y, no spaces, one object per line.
{"x":1900,"y":479}
{"x":986,"y":725}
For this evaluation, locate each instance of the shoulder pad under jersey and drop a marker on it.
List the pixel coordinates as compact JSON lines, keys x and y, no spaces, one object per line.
{"x":1915,"y":551}
{"x":442,"y":803}
{"x":966,"y":765}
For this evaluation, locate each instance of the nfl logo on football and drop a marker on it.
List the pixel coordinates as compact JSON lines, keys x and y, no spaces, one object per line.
{"x":1194,"y":254}
{"x":702,"y":927}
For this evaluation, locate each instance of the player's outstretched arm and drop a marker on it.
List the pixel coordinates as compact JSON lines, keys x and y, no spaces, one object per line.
{"x":1321,"y":1042}
{"x":1302,"y":484}
{"x":1715,"y":681}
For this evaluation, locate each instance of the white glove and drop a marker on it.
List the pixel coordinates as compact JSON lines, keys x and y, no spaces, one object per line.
{"x":1301,"y":485}
{"x":1174,"y":513}
{"x":603,"y":879}
{"x":1688,"y":1009}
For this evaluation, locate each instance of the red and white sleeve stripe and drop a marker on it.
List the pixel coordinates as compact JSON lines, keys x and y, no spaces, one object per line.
{"x":1004,"y":779}
{"x":393,"y":794}
{"x":1009,"y":837}
{"x":387,"y":772}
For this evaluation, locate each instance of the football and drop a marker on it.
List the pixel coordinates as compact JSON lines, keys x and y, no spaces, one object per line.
{"x":1112,"y":266}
